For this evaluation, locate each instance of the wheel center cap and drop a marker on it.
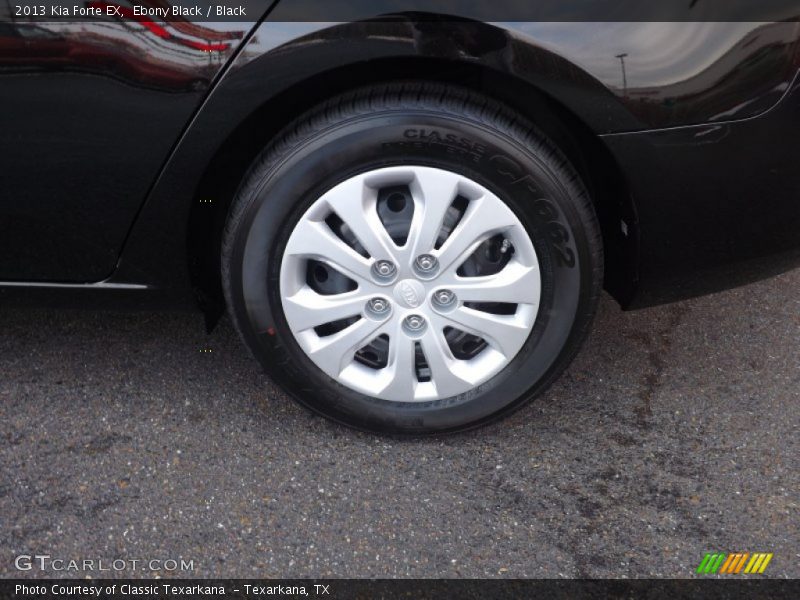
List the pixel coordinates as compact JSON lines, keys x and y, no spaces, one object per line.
{"x":409,"y":293}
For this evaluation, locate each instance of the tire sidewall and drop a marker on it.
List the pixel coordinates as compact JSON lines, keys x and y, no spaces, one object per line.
{"x":537,"y":185}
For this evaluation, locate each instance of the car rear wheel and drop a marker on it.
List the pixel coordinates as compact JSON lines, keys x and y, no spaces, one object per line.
{"x":412,"y":258}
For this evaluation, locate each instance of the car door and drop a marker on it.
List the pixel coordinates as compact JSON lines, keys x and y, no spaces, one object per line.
{"x":89,"y":111}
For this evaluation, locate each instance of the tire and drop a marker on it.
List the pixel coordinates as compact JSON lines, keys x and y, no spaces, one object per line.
{"x":277,"y":238}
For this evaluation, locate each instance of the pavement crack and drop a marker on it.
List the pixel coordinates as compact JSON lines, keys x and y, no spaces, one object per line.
{"x":657,"y":347}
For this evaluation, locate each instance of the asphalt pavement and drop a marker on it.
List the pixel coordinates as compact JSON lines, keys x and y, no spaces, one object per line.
{"x":136,"y":437}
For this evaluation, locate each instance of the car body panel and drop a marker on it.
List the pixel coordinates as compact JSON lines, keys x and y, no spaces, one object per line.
{"x":90,"y":113}
{"x":718,"y":205}
{"x":671,"y":74}
{"x":682,"y":110}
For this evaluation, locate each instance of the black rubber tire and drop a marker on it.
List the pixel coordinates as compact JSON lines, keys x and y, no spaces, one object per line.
{"x":425,"y":124}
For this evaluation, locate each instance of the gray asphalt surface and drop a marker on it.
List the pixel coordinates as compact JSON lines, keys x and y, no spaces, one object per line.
{"x":674,"y":433}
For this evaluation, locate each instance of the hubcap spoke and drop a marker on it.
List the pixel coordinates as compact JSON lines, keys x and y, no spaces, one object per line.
{"x":505,"y":333}
{"x":313,"y":239}
{"x":515,"y":284}
{"x":449,"y":375}
{"x":307,"y":308}
{"x":483,"y":219}
{"x":433,"y":192}
{"x":333,"y":353}
{"x":355,"y":204}
{"x":400,"y":368}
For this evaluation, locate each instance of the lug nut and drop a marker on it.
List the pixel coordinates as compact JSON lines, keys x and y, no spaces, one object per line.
{"x":384,"y":269}
{"x":414,"y":322}
{"x":378,"y":305}
{"x":444,"y":297}
{"x":426,"y":263}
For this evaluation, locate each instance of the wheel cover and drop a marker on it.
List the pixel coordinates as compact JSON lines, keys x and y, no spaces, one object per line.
{"x":414,"y":311}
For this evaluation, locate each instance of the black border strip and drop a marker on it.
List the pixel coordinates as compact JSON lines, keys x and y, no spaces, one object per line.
{"x":712,"y":588}
{"x":480,"y":10}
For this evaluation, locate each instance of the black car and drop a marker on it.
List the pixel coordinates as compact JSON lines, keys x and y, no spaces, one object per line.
{"x":409,"y":213}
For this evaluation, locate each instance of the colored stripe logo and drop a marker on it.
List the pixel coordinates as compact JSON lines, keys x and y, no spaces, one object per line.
{"x":733,"y":564}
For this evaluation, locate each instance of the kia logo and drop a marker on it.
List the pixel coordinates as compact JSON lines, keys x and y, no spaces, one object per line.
{"x":409,"y":294}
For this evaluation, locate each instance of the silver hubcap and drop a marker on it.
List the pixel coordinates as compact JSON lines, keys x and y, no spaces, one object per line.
{"x":410,"y":300}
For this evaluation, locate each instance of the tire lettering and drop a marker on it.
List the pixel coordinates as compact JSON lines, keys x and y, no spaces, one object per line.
{"x":557,"y":234}
{"x":566,"y":257}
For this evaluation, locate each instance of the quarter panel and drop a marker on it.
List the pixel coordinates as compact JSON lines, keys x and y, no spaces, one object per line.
{"x":668,"y":74}
{"x":718,"y":205}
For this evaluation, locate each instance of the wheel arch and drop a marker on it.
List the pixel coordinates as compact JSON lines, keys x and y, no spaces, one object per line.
{"x":585,"y":150}
{"x":567,"y":104}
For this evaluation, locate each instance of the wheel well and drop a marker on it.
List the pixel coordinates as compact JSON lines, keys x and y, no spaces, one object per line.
{"x":585,"y":150}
